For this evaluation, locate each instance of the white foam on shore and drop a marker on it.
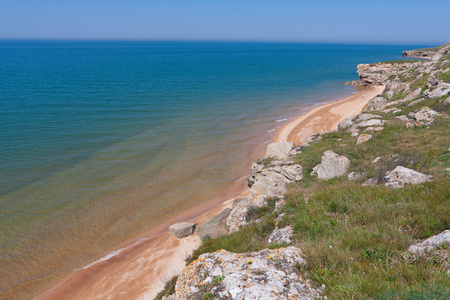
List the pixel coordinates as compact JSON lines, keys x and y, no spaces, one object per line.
{"x":244,"y":177}
{"x":281,"y":120}
{"x":104,"y":258}
{"x":113,"y":254}
{"x":271,"y":130}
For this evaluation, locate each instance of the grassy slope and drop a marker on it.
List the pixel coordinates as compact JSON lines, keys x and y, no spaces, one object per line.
{"x":354,"y":237}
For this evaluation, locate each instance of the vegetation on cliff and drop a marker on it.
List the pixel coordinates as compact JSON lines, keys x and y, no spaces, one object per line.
{"x":354,"y":231}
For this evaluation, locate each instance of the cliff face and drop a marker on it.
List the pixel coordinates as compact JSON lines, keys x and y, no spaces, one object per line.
{"x":423,"y":53}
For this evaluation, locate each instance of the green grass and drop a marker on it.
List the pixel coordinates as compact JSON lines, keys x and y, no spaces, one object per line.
{"x":402,"y":61}
{"x":354,"y":237}
{"x":437,"y":48}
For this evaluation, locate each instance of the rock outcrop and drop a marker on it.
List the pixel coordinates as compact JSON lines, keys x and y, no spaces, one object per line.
{"x":182,"y":230}
{"x":419,"y":53}
{"x":279,"y":150}
{"x":425,"y":114}
{"x":332,"y":165}
{"x":440,"y":240}
{"x":375,"y":104}
{"x":363,"y":138}
{"x":281,"y":236}
{"x":401,"y":176}
{"x":267,"y":274}
{"x":215,"y":227}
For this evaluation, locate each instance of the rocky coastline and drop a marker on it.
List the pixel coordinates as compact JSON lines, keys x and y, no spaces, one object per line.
{"x":276,"y":272}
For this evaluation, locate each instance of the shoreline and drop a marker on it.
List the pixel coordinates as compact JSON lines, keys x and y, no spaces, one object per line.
{"x":127,"y":268}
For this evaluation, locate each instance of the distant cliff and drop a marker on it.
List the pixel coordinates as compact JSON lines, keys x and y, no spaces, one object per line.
{"x":422,"y":53}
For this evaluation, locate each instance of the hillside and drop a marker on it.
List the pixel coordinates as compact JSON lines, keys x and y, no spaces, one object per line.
{"x":359,"y":213}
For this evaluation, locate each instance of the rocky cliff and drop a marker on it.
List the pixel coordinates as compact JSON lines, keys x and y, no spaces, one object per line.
{"x":316,"y":199}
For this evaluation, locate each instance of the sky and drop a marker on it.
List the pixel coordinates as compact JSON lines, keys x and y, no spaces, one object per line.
{"x":333,"y":21}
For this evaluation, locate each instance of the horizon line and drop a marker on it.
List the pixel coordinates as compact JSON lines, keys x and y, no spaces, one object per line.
{"x":215,"y":41}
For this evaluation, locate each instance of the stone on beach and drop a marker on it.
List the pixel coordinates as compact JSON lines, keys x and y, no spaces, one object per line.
{"x":332,"y":165}
{"x":215,"y":227}
{"x":182,"y":230}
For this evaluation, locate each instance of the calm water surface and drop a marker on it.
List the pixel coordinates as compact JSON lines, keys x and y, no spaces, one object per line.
{"x":101,"y":141}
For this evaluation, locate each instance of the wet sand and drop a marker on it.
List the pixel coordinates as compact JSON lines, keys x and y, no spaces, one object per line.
{"x":141,"y":269}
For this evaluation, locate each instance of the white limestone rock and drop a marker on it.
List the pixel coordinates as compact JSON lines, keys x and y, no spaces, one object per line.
{"x":401,"y":176}
{"x":183,"y":229}
{"x":281,"y":236}
{"x":279,"y":150}
{"x":332,"y":165}
{"x":354,"y":176}
{"x":375,"y":104}
{"x":431,"y":243}
{"x":425,"y":114}
{"x":363,"y":138}
{"x":267,"y":274}
{"x":365,"y":117}
{"x":215,"y":227}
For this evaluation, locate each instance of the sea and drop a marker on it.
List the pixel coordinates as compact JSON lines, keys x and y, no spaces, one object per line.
{"x":101,"y":141}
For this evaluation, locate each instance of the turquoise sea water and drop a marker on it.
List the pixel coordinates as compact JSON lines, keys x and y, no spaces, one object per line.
{"x":101,"y":141}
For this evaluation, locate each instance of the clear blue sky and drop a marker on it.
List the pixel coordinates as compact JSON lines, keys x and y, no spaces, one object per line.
{"x":378,"y":21}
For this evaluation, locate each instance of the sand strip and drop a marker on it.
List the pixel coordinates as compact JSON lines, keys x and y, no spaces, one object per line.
{"x":326,"y":118}
{"x":139,"y":272}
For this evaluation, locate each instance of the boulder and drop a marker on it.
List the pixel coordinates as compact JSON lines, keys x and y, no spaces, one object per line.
{"x":378,"y":128}
{"x":402,"y":118}
{"x":363,"y":138}
{"x":182,"y":230}
{"x":267,"y":185}
{"x":372,"y":123}
{"x":432,"y":81}
{"x":292,"y":173}
{"x":441,"y":90}
{"x":402,"y":176}
{"x":215,"y":227}
{"x":346,"y":123}
{"x":279,"y":150}
{"x":281,"y":236}
{"x":237,"y":201}
{"x":425,"y":114}
{"x":365,"y":117}
{"x":332,"y":165}
{"x":413,"y":94}
{"x":375,"y":104}
{"x":267,"y":274}
{"x":238,"y":216}
{"x":431,"y":243}
{"x":354,"y":176}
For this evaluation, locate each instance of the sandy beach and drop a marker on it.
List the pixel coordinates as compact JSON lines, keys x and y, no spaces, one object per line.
{"x":140,"y":270}
{"x":326,"y":118}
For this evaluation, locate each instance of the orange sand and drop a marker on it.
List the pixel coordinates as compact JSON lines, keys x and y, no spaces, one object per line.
{"x":140,"y":271}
